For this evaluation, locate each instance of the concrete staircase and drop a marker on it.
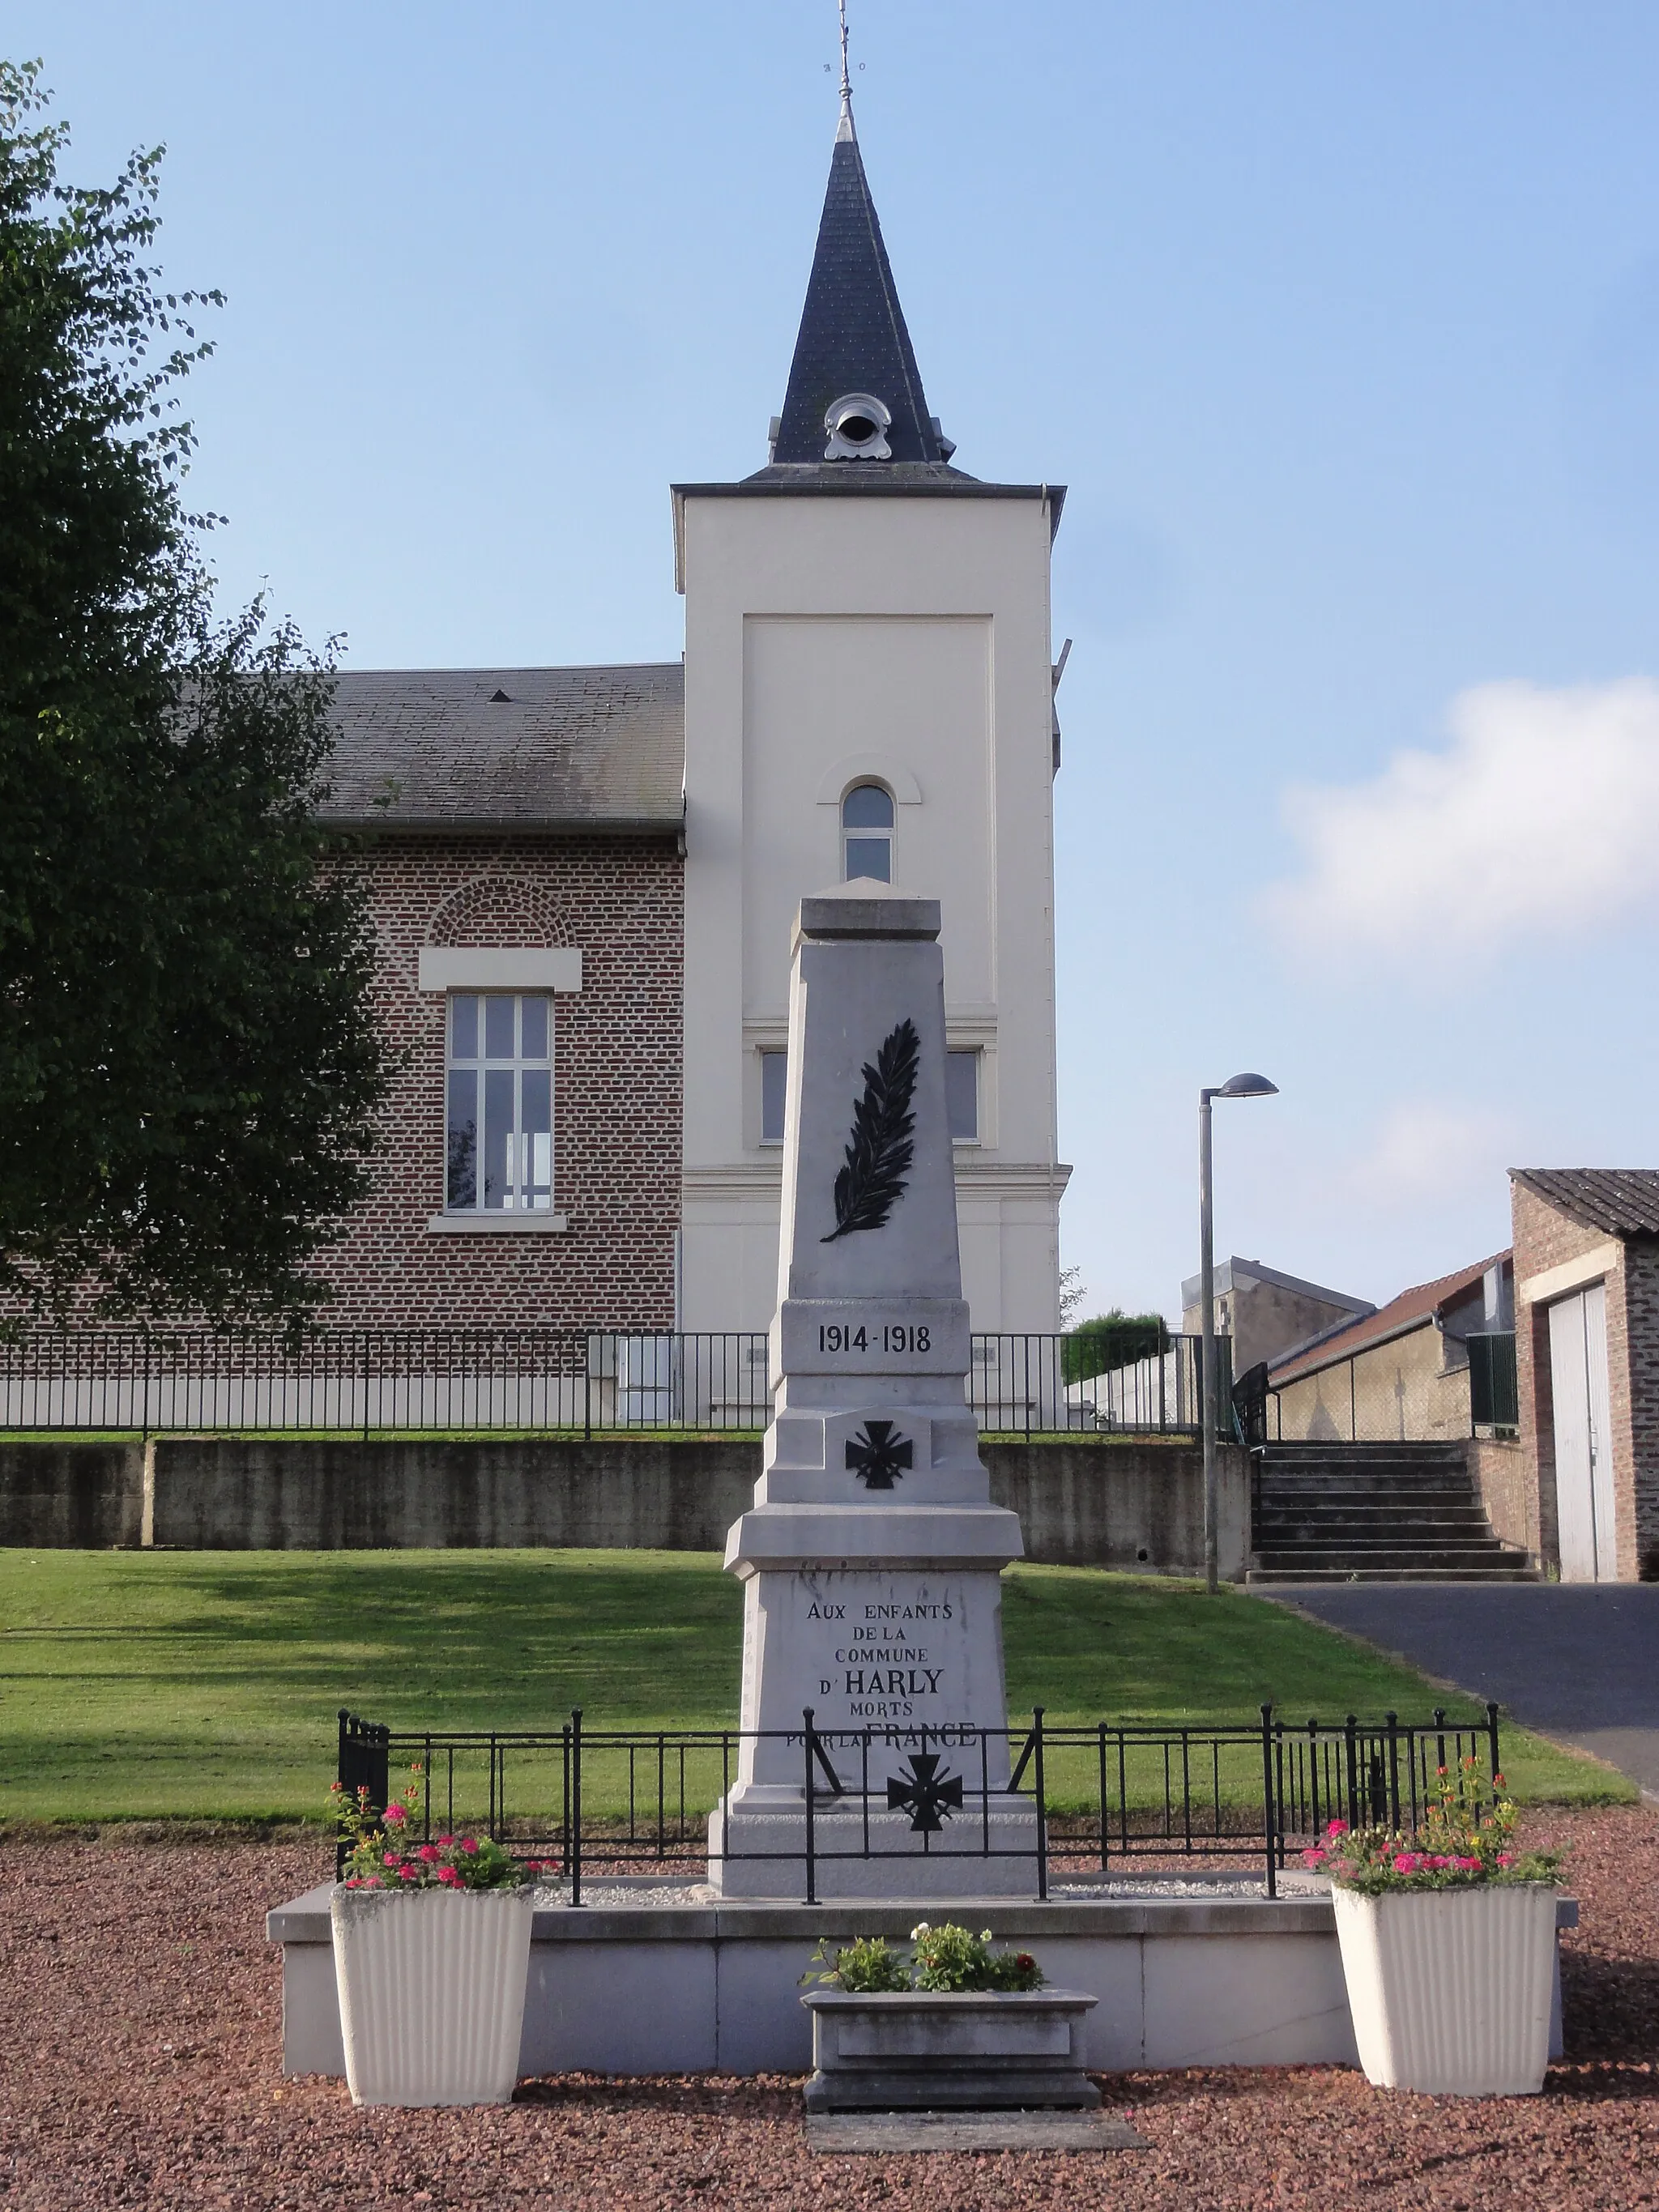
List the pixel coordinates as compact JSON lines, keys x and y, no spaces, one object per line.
{"x":1373,"y":1513}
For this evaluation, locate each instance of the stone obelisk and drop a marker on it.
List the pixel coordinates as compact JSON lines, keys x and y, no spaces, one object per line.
{"x":871,"y":1555}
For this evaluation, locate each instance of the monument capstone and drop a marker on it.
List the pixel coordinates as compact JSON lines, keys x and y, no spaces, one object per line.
{"x":872,"y":1554}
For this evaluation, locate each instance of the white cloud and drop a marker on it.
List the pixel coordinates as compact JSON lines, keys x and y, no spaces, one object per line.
{"x":1541,"y":815}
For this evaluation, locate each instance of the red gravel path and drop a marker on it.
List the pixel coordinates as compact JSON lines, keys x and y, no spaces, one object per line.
{"x":139,"y":2021}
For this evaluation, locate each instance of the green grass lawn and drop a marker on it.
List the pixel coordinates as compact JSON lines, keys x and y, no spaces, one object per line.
{"x":205,"y":1685}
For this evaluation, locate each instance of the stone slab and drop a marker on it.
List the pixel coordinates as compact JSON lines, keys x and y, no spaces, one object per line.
{"x":885,"y":2135}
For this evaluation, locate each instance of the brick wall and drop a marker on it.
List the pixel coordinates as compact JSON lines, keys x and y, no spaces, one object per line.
{"x":1545,"y":1238}
{"x":617,"y":1084}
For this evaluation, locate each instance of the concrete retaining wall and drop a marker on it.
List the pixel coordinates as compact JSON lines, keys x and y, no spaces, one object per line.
{"x":69,"y":1495}
{"x":1128,"y":1505}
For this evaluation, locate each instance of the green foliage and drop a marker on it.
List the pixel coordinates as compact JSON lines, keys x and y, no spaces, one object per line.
{"x":189,"y":1071}
{"x":865,"y":1967}
{"x":950,"y":1960}
{"x":1465,"y":1840}
{"x":1112,"y":1339}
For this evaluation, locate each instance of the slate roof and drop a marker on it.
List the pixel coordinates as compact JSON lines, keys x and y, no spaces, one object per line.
{"x":600,"y":748}
{"x":1413,"y":1309}
{"x":1619,"y":1201}
{"x":852,"y":336}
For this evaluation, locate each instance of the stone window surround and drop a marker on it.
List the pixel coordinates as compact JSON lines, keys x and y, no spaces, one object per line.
{"x":447,"y":968}
{"x":972,"y":1029}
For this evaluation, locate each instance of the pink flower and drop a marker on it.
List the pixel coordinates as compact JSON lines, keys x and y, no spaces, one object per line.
{"x":1406,"y":1861}
{"x":428,"y":1852}
{"x":1314,"y":1858}
{"x":1506,"y":1858}
{"x":1336,"y":1829}
{"x":396,"y":1815}
{"x":389,"y":1858}
{"x":450,"y":1879}
{"x":353,"y":1881}
{"x":532,"y":1866}
{"x":446,"y":1839}
{"x":1467,"y":1866}
{"x":469,"y":1844}
{"x":373,"y":1881}
{"x":409,"y":1873}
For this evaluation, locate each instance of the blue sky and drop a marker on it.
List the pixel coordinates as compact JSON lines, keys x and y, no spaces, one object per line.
{"x":1342,"y":325}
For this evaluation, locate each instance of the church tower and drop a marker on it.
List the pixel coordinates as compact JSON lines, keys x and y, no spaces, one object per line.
{"x":868,"y":692}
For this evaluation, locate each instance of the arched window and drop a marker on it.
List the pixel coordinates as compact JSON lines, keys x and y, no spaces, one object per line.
{"x":866,"y":833}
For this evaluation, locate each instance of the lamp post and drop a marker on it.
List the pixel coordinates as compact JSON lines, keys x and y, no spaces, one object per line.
{"x":1236,"y":1086}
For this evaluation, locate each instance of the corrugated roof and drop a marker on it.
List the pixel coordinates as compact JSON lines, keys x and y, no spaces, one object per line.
{"x":578,"y":748}
{"x":1413,"y":1309}
{"x":1619,"y":1201}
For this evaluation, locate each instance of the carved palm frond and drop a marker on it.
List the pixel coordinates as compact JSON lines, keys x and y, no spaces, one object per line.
{"x":879,"y":1149}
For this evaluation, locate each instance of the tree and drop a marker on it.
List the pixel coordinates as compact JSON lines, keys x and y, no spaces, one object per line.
{"x":1112,"y":1339}
{"x":189,"y":1068}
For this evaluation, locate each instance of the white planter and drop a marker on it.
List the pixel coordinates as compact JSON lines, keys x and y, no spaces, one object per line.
{"x":432,"y":1989}
{"x":1450,"y":1988}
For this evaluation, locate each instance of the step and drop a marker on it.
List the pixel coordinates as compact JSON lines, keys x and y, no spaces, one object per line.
{"x":1477,"y":1557}
{"x":1290,"y":1576}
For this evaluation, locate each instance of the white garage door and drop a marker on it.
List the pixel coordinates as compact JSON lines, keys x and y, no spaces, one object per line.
{"x":1583,"y":1453}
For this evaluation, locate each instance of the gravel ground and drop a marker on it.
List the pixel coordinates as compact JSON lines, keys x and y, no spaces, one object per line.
{"x":139,"y":2066}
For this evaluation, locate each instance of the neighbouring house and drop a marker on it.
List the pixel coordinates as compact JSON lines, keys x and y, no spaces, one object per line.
{"x":1436,"y":1363}
{"x":1587,"y":1341}
{"x":1266,"y":1313}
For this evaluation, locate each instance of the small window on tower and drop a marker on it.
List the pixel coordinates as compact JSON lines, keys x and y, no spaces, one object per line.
{"x":962,"y":1096}
{"x":866,"y":823}
{"x":775,"y":1068}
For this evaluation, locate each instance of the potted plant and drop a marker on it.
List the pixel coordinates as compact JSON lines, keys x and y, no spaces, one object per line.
{"x":1448,"y":1943}
{"x":431,"y":1957}
{"x":953,"y":2023}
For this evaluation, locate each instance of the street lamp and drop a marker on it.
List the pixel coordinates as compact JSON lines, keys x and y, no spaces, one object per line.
{"x":1236,"y":1086}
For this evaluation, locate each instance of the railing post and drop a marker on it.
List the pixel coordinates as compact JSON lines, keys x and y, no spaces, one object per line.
{"x":1496,"y":1768}
{"x":577,"y":1805}
{"x":811,"y":1856}
{"x":1041,"y":1803}
{"x":1392,"y":1721}
{"x":1269,"y":1800}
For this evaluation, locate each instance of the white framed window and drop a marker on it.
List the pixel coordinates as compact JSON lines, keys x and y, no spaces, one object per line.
{"x":774,"y":1071}
{"x":866,"y":833}
{"x":961,"y":1096}
{"x":499,"y":1119}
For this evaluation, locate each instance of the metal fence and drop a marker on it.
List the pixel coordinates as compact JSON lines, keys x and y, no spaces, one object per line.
{"x":590,"y":1802}
{"x":583,"y":1381}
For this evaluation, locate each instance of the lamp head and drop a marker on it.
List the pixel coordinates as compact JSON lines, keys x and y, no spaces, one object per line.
{"x":1247,"y":1087}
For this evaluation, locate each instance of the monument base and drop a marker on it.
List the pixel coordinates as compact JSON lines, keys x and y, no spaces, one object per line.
{"x":758,"y":1849}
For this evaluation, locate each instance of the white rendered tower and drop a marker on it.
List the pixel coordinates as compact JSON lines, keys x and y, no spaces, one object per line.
{"x":868,"y":688}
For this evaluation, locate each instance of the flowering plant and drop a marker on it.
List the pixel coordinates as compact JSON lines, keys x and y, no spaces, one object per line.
{"x":1463,"y":1841}
{"x":383,"y":1854}
{"x":949,"y":1959}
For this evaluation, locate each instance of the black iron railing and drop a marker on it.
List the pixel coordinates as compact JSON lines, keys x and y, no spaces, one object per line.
{"x":1076,"y":1797}
{"x":583,"y":1381}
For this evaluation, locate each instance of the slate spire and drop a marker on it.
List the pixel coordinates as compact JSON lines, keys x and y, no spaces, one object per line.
{"x":853,"y":341}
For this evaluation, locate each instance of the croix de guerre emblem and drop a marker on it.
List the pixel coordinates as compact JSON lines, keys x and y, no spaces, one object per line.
{"x":928,"y":1797}
{"x":879,"y":1457}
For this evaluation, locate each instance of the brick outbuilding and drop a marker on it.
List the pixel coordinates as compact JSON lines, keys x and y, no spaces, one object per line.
{"x":1587,"y":1353}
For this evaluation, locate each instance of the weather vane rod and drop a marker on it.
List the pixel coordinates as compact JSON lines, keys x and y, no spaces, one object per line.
{"x":846,"y":81}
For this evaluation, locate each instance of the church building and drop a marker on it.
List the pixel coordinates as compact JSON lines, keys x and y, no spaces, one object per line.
{"x":583,"y":879}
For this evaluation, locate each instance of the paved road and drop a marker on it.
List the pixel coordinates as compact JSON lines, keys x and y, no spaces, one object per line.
{"x":1579,"y":1661}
